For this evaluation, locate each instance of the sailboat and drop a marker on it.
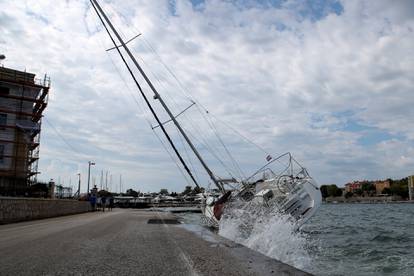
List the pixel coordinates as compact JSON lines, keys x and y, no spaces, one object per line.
{"x":290,"y":191}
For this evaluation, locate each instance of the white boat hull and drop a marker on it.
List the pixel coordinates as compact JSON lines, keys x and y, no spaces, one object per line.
{"x":299,"y":201}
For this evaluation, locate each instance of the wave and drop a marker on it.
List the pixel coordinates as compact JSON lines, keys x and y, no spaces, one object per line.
{"x":272,"y":235}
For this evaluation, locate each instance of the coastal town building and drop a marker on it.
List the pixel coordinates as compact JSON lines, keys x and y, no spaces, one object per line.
{"x":23,"y":98}
{"x":353,"y":186}
{"x":380,"y":185}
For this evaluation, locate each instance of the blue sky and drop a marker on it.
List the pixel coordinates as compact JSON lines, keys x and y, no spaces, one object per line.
{"x":329,"y":81}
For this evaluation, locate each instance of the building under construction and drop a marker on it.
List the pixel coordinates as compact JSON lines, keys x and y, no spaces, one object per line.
{"x":23,"y":98}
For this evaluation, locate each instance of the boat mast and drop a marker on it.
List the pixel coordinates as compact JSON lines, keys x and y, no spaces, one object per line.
{"x":146,"y":99}
{"x":157,"y":96}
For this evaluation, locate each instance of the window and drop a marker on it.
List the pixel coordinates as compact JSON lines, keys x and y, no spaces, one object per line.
{"x":3,"y":120}
{"x":4,"y":90}
{"x":1,"y":153}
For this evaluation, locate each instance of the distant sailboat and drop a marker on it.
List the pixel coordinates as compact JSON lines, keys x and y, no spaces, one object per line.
{"x":289,"y":191}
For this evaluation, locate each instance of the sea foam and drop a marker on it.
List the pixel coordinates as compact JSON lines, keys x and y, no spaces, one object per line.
{"x":272,"y":235}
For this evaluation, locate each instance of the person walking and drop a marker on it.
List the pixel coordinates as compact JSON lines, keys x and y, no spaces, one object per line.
{"x":103,"y":202}
{"x":92,"y":200}
{"x":111,"y":203}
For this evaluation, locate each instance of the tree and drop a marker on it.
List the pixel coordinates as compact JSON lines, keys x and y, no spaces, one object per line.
{"x":358,"y":192}
{"x":131,"y":192}
{"x":164,"y":191}
{"x":174,"y":194}
{"x":348,"y":194}
{"x":386,"y":191}
{"x":338,"y":192}
{"x":400,"y":187}
{"x":197,"y":190}
{"x":324,"y":191}
{"x":367,"y":186}
{"x":333,"y":190}
{"x":188,"y":190}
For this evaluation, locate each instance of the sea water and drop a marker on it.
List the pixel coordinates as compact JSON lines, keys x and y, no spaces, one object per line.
{"x":361,"y":239}
{"x":340,"y":239}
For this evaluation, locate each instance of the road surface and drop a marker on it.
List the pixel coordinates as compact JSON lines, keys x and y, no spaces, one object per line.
{"x":122,"y":242}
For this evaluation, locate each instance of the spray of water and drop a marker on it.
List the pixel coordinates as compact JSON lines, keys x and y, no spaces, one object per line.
{"x":271,"y":234}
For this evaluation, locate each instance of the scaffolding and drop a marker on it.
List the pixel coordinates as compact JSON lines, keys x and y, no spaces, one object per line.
{"x":23,"y":98}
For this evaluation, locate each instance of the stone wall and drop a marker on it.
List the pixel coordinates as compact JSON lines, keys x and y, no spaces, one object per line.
{"x":21,"y":209}
{"x":359,"y":199}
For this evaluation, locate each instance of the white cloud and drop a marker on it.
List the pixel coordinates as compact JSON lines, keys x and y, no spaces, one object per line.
{"x":270,"y":71}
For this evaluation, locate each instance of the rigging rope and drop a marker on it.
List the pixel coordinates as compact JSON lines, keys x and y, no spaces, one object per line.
{"x":210,"y":123}
{"x":189,"y":97}
{"x":205,"y":143}
{"x":188,"y":156}
{"x":235,"y":164}
{"x":139,"y":105}
{"x":159,"y":82}
{"x":183,"y":89}
{"x":214,"y":155}
{"x":172,"y":158}
{"x":93,"y":2}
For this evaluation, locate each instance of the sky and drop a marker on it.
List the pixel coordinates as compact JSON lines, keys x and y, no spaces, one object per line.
{"x":329,"y":81}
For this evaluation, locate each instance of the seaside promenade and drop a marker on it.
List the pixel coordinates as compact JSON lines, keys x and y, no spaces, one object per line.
{"x":123,"y":242}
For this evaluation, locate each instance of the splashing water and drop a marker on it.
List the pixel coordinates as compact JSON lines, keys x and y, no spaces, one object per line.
{"x":271,"y":234}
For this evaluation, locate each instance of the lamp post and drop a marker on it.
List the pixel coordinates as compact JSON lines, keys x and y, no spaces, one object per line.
{"x":90,"y":163}
{"x":79,"y":185}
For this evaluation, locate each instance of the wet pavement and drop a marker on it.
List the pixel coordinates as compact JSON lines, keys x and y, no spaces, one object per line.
{"x":122,"y":242}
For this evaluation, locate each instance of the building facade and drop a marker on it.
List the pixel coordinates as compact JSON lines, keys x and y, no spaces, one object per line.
{"x":23,"y":98}
{"x":353,"y":186}
{"x":380,"y":185}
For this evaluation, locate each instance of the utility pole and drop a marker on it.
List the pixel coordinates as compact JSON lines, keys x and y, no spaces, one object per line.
{"x":90,"y":163}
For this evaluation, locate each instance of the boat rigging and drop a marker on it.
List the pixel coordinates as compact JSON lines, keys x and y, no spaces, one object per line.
{"x":290,"y":191}
{"x":105,"y":21}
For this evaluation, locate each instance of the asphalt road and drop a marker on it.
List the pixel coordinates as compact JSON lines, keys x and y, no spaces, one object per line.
{"x":122,"y":242}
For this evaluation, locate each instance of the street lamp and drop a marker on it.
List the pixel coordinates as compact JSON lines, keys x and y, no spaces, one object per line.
{"x":89,"y":174}
{"x":79,"y":185}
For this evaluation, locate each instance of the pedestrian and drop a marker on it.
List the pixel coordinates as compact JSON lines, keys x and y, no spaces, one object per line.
{"x":103,"y":201}
{"x":92,"y":200}
{"x":111,"y":203}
